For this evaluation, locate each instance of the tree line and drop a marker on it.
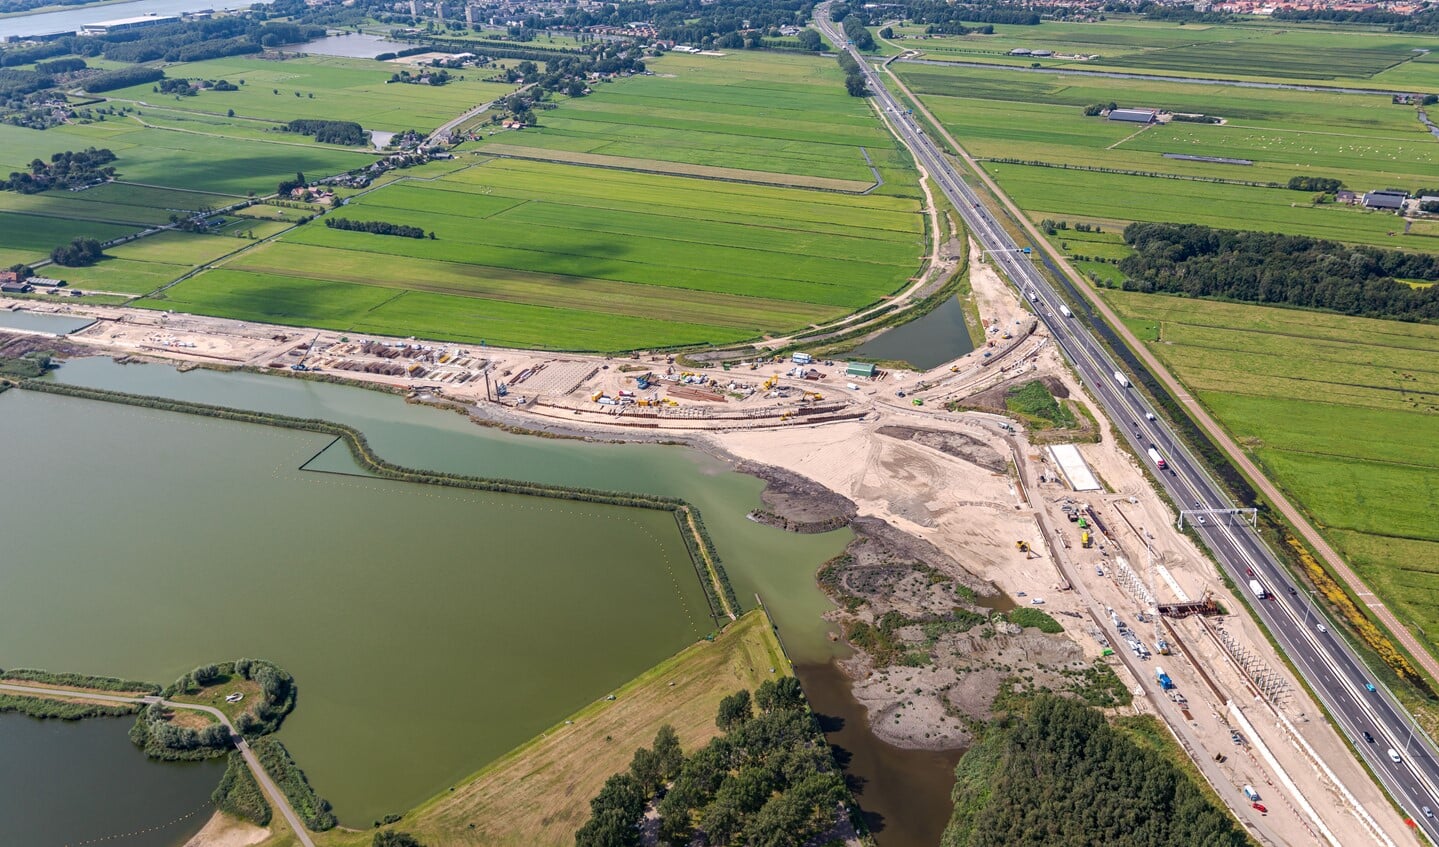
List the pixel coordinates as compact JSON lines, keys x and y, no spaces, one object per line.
{"x":347,"y":133}
{"x":1056,"y":772}
{"x":854,"y":81}
{"x":376,"y":227}
{"x":69,"y":169}
{"x":313,"y":809}
{"x":768,"y":781}
{"x":1291,"y":270}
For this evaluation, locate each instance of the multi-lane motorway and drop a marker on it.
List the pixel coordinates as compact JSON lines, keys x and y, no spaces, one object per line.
{"x":1361,"y":707}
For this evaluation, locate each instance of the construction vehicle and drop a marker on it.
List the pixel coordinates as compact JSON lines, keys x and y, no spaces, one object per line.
{"x":770,"y":383}
{"x":1164,"y":681}
{"x":1083,"y":524}
{"x":1022,"y":546}
{"x":1085,"y":539}
{"x":1163,"y":647}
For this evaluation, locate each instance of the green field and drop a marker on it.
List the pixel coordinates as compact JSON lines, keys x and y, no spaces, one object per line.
{"x":1252,"y":49}
{"x":1363,"y":140}
{"x":343,"y":90}
{"x":601,"y":255}
{"x":1342,"y":412}
{"x":766,"y":112}
{"x":529,"y":253}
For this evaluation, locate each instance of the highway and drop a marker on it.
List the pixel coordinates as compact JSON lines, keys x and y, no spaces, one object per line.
{"x":1325,"y":660}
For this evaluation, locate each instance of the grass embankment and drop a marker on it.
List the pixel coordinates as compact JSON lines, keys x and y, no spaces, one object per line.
{"x":1033,"y":402}
{"x":718,"y":591}
{"x":538,"y":795}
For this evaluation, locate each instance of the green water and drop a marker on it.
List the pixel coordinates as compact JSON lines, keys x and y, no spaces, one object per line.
{"x":926,"y":342}
{"x":429,"y":630}
{"x":83,"y":782}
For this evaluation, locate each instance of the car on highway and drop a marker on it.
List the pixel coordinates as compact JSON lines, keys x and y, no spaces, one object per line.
{"x":1370,"y":687}
{"x":1202,"y":521}
{"x":1428,"y":813}
{"x":1321,"y":627}
{"x":1293,"y":592}
{"x":1394,"y":756}
{"x":1149,"y":416}
{"x":1368,"y":737}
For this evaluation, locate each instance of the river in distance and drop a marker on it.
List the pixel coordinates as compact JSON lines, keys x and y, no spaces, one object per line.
{"x":69,"y":20}
{"x":480,"y":619}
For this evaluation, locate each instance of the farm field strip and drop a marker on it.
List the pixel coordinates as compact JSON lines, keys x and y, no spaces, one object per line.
{"x":545,"y":220}
{"x":338,"y":265}
{"x":1057,"y":193}
{"x":669,"y":265}
{"x":538,"y":180}
{"x":675,"y":168}
{"x":383,"y":311}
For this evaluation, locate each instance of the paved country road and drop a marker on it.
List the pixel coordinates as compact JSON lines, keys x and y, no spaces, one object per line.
{"x":272,"y":791}
{"x":1399,"y":754}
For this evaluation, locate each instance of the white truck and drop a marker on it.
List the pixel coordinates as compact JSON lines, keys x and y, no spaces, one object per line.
{"x":1064,"y":310}
{"x":1258,"y":588}
{"x":1157,"y":459}
{"x":1121,"y":379}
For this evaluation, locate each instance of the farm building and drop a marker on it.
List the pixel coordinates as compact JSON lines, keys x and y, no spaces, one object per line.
{"x":864,"y":369}
{"x":1019,"y":51}
{"x":126,"y":24}
{"x":15,"y":288}
{"x":45,"y":282}
{"x":1138,"y":116}
{"x":1346,"y":197}
{"x":1388,"y":198}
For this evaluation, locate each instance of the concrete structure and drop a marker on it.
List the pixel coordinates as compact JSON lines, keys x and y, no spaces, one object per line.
{"x":1072,"y":465}
{"x":1388,"y":198}
{"x":126,"y":24}
{"x":1138,"y":116}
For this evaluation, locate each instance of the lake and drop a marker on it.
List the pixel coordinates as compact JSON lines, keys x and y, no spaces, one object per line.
{"x":351,"y":45}
{"x":83,"y":782}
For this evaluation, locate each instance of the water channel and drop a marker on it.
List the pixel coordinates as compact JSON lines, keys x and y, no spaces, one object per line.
{"x":215,"y":545}
{"x":38,"y":322}
{"x":82,"y":782}
{"x":927,"y":342}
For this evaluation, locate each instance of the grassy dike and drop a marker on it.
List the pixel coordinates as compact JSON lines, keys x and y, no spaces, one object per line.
{"x":538,"y":794}
{"x":719,"y":592}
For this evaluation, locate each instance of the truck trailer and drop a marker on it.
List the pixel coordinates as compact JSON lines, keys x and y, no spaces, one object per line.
{"x":1157,"y":459}
{"x":1064,"y":310}
{"x":1258,"y":588}
{"x":1121,"y":379}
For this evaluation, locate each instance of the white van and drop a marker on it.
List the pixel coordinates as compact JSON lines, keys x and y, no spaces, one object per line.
{"x":1394,"y":756}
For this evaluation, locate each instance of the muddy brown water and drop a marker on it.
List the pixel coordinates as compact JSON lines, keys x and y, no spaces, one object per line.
{"x":904,"y":795}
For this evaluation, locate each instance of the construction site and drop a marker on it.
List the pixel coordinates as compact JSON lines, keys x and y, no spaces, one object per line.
{"x":1073,"y":527}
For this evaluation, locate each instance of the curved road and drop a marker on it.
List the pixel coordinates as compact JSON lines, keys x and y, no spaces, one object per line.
{"x":1326,"y":662}
{"x":277,"y":799}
